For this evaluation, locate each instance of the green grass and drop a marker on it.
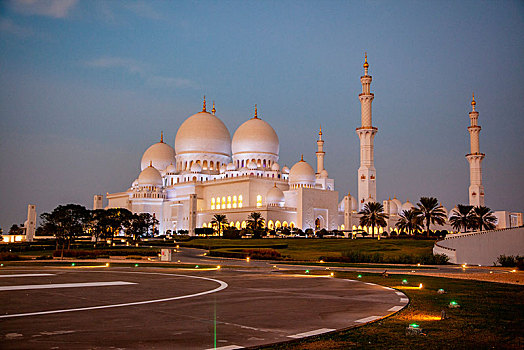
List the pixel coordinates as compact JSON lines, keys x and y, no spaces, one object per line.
{"x":364,"y":265}
{"x":491,"y":316}
{"x":313,"y":249}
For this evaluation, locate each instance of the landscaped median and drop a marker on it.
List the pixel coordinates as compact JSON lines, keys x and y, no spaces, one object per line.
{"x":488,"y":316}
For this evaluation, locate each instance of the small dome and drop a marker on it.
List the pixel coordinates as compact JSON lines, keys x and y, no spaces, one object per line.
{"x":231,"y":167}
{"x":302,"y":174}
{"x":407,"y":206}
{"x":252,"y":165}
{"x":275,"y":196}
{"x":255,"y":136}
{"x":398,"y":205}
{"x":150,"y":176}
{"x":196,"y":168}
{"x":354,"y":203}
{"x":285,"y":170}
{"x":161,"y":154}
{"x":203,"y":133}
{"x":275,"y":166}
{"x":324,"y":174}
{"x":171,"y":168}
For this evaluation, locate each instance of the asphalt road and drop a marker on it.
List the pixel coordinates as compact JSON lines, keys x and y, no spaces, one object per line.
{"x":145,"y":308}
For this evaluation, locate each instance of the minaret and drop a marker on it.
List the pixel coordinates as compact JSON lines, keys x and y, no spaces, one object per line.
{"x":320,"y":152}
{"x":476,"y":190}
{"x":367,"y":187}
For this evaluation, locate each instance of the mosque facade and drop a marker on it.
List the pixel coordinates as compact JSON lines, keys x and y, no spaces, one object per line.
{"x":208,"y":173}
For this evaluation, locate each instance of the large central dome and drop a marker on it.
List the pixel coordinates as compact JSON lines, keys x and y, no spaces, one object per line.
{"x":255,"y":136}
{"x":203,"y":133}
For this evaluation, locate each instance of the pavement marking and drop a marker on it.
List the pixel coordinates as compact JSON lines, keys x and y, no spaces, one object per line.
{"x":400,"y":293}
{"x":404,"y":300}
{"x":27,"y":275}
{"x":371,"y":284}
{"x":388,"y":288}
{"x":65,"y":285}
{"x":396,"y":308}
{"x":310,"y":333}
{"x":227,"y":347}
{"x":223,"y":285}
{"x":351,"y":280}
{"x":368,"y":319}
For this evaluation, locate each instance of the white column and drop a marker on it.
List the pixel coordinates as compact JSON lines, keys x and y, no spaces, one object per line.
{"x":476,"y":189}
{"x":30,"y":224}
{"x":320,"y":152}
{"x":367,"y":188}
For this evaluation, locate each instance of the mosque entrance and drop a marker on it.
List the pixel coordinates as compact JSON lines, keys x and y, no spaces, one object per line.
{"x":319,"y":223}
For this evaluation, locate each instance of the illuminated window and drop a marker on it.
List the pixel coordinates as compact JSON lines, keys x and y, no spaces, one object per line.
{"x":232,"y":224}
{"x":243,"y":224}
{"x":292,"y":224}
{"x":284,"y":224}
{"x":234,"y":201}
{"x":278,"y":224}
{"x":259,"y":201}
{"x":342,"y":227}
{"x":204,"y":225}
{"x":240,"y":203}
{"x":218,"y":203}
{"x":237,"y":225}
{"x":223,"y":202}
{"x":228,"y":202}
{"x":212,"y":203}
{"x":270,"y":224}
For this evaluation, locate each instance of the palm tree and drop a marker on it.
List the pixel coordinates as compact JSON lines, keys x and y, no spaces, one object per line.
{"x":373,"y":215}
{"x":461,"y":217}
{"x":431,"y":212}
{"x":483,"y":218}
{"x":219,"y":220}
{"x":255,"y":221}
{"x":409,"y":220}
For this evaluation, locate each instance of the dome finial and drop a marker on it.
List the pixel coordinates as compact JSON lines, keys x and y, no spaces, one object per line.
{"x":161,"y":137}
{"x":204,"y":105}
{"x":301,"y":157}
{"x":366,"y":64}
{"x":473,"y":99}
{"x":150,"y":163}
{"x":213,"y":110}
{"x":256,"y":112}
{"x":320,"y":130}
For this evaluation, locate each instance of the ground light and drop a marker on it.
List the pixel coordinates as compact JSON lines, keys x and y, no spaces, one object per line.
{"x":107,"y":264}
{"x":307,"y":271}
{"x":73,"y":264}
{"x":441,"y":291}
{"x":359,"y":276}
{"x":332,"y":274}
{"x":196,"y":267}
{"x":1,"y":265}
{"x":248,"y":258}
{"x":218,"y":267}
{"x":453,"y":305}
{"x":420,"y":286}
{"x":404,"y":281}
{"x":136,"y":265}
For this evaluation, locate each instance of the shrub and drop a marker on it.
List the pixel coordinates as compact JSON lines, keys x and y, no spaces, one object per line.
{"x":509,"y":261}
{"x":351,"y":256}
{"x":44,"y":257}
{"x":6,"y":256}
{"x":262,"y":254}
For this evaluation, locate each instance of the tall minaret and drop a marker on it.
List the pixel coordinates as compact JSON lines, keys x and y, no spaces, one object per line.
{"x":476,"y":190}
{"x":320,"y":152}
{"x":367,"y":186}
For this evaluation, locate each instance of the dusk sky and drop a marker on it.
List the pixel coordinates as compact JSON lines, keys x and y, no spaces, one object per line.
{"x":87,"y":86}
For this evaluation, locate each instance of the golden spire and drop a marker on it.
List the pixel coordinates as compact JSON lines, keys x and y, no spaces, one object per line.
{"x":213,"y":110}
{"x":301,"y":157}
{"x":320,"y":130}
{"x":161,"y":137}
{"x":150,"y":163}
{"x":366,"y":64}
{"x":389,"y":198}
{"x":473,"y":103}
{"x":204,"y":105}
{"x":256,"y":112}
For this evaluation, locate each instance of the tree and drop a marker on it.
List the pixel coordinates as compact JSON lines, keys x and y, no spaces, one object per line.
{"x":373,"y":215}
{"x":141,"y":225}
{"x":462,"y":217}
{"x":255,"y":221}
{"x":483,"y":219}
{"x":219,"y":221}
{"x":115,"y":220}
{"x":66,"y":222}
{"x":431,"y":212}
{"x":409,"y":221}
{"x":16,"y":230}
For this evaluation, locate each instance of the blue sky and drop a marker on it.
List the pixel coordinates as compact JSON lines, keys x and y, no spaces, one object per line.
{"x":87,"y":86}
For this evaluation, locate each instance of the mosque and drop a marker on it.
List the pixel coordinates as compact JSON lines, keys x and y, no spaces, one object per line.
{"x":208,"y":172}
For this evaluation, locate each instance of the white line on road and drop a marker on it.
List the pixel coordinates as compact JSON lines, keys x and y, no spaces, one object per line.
{"x":223,"y":285}
{"x":404,"y":300}
{"x":400,"y":293}
{"x":65,"y":285}
{"x":27,"y":275}
{"x":227,"y":347}
{"x":371,"y":284}
{"x":310,"y":333}
{"x":396,"y":308}
{"x":368,"y":319}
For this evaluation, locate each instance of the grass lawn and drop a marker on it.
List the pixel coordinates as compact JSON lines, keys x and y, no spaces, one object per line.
{"x":76,"y":263}
{"x":313,"y":249}
{"x":359,"y":265}
{"x":491,"y":316}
